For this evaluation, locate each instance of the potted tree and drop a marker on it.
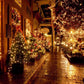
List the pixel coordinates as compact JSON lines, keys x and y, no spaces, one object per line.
{"x":18,"y":53}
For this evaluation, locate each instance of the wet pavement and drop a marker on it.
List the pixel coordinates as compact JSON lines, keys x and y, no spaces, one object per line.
{"x":29,"y":71}
{"x":58,"y":70}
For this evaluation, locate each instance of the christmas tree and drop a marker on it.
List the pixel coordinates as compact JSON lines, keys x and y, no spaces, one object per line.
{"x":32,"y":46}
{"x":37,"y":44}
{"x":18,"y":51}
{"x":69,"y":14}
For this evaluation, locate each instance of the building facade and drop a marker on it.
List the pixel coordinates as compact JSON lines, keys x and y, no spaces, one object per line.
{"x":14,"y":14}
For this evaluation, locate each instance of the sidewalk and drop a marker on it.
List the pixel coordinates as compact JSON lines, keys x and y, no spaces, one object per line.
{"x":29,"y":71}
{"x":58,"y":70}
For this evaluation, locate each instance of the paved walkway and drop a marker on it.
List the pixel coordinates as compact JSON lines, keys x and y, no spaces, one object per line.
{"x":58,"y":70}
{"x":29,"y":71}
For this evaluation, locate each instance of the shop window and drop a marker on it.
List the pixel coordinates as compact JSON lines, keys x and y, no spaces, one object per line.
{"x":16,"y":20}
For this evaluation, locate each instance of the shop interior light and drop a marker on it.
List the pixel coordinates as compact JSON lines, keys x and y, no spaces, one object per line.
{"x":71,"y":32}
{"x":71,"y":39}
{"x":54,"y":42}
{"x":63,"y":43}
{"x":46,"y":34}
{"x":28,"y":41}
{"x":71,"y":48}
{"x":66,"y":45}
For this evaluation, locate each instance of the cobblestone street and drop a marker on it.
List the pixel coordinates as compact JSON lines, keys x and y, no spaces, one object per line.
{"x":58,"y":70}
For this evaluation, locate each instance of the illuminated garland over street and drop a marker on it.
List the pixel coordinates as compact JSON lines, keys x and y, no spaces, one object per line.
{"x":69,"y":14}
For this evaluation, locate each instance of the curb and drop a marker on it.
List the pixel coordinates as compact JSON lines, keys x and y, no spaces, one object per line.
{"x":27,"y":81}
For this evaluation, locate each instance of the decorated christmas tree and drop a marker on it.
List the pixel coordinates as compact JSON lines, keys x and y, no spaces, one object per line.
{"x":32,"y":47}
{"x":18,"y":51}
{"x":37,"y":44}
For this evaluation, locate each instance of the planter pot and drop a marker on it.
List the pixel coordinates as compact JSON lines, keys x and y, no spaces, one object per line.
{"x":47,"y":50}
{"x":31,"y":61}
{"x":17,"y":68}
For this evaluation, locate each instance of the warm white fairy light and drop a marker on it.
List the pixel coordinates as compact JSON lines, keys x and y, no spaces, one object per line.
{"x":71,"y":48}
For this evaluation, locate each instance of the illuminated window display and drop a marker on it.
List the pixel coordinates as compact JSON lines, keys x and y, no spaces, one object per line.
{"x":16,"y":20}
{"x":28,"y":28}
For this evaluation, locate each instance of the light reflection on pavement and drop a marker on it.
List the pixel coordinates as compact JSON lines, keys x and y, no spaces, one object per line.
{"x":58,"y":70}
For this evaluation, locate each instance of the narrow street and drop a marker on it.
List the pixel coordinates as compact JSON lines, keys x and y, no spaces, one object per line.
{"x":58,"y":70}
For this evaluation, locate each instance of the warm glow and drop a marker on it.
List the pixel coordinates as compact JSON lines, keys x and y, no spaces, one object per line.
{"x":28,"y":41}
{"x":71,"y":48}
{"x":45,"y":30}
{"x":28,"y":28}
{"x":71,"y":39}
{"x":63,"y":43}
{"x":71,"y":32}
{"x":54,"y":42}
{"x":66,"y":45}
{"x":19,"y":2}
{"x":0,"y":57}
{"x":46,"y":34}
{"x":80,"y":32}
{"x":15,"y":21}
{"x":53,"y":17}
{"x":0,"y":53}
{"x":72,"y":71}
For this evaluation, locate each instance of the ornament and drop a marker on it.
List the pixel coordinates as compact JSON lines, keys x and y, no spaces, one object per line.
{"x":32,"y":50}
